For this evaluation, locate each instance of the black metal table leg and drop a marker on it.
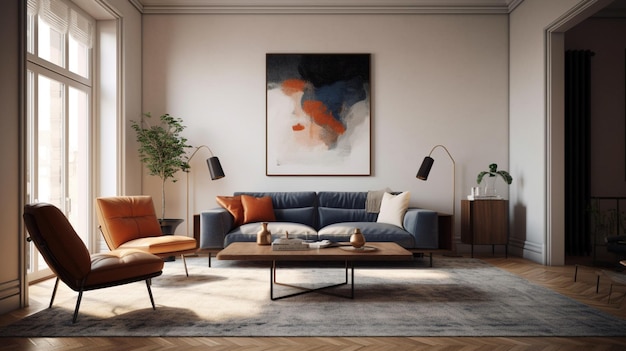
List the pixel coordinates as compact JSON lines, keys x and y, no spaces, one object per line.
{"x":304,"y":290}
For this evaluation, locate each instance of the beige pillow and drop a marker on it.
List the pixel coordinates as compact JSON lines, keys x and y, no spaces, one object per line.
{"x":393,"y":208}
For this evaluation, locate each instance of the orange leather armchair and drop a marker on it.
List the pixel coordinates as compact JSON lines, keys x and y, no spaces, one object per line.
{"x":131,"y":222}
{"x":66,"y":255}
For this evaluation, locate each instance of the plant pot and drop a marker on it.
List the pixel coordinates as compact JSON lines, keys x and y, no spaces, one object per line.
{"x":169,"y":225}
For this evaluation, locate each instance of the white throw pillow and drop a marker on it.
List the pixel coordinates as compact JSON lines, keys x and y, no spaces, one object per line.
{"x":393,"y":208}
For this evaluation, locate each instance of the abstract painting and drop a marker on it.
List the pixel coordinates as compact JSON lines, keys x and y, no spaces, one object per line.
{"x":318,"y":114}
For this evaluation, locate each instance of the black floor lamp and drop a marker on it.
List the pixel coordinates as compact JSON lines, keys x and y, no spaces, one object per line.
{"x":422,"y":174}
{"x":215,"y":169}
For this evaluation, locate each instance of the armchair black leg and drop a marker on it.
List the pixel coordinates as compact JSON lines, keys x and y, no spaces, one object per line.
{"x":54,"y":292}
{"x":80,"y":297}
{"x":150,"y":293}
{"x":185,"y":264}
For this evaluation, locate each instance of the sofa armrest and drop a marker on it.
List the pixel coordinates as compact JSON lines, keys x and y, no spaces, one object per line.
{"x":423,"y":224}
{"x":214,"y":225}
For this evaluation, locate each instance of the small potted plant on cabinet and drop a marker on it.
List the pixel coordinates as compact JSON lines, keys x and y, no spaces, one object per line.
{"x":493,"y":173}
{"x":163,"y":151}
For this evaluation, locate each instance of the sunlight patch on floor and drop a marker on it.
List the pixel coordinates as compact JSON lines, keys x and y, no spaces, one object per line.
{"x":403,"y":274}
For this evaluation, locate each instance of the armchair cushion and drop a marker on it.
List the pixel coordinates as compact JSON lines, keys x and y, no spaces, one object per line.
{"x":165,"y":244}
{"x":126,"y":218}
{"x":130,"y":222}
{"x":120,"y":265}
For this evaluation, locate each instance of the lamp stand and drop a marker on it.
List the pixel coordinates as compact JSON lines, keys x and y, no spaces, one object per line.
{"x":453,"y":243}
{"x":220,"y":174}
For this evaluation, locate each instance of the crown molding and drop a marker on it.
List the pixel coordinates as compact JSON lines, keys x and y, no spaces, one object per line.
{"x":138,"y":4}
{"x":325,"y":6}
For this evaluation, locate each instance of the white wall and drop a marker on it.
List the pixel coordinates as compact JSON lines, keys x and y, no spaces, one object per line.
{"x":129,"y":86}
{"x":437,"y":79}
{"x":11,"y":239}
{"x":537,"y":230}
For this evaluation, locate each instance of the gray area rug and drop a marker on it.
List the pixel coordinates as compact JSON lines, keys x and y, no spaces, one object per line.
{"x":456,"y":297}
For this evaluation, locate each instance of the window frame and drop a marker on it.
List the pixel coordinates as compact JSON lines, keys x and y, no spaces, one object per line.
{"x":37,"y":66}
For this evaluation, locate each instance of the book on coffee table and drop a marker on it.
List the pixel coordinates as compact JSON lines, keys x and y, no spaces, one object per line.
{"x":321,"y":244}
{"x":284,"y":244}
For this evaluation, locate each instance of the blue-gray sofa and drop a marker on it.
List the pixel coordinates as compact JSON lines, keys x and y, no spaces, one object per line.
{"x":319,"y":216}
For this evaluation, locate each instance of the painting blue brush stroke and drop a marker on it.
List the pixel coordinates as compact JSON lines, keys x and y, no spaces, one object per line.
{"x":318,"y":114}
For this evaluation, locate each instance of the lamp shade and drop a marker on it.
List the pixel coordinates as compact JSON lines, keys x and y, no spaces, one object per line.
{"x":424,"y":170}
{"x":215,"y":167}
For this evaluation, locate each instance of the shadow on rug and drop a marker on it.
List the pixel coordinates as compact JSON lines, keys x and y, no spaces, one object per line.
{"x":456,"y":297}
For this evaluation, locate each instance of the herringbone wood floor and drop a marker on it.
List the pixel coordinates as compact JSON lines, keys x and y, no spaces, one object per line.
{"x":559,"y":279}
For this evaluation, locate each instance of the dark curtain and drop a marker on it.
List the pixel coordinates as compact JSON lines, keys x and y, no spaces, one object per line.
{"x":577,"y":152}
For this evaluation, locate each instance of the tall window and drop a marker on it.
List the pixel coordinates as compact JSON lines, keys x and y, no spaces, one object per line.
{"x":59,"y":114}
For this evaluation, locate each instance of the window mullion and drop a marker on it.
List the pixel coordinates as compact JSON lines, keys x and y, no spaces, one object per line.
{"x":62,"y":72}
{"x":65,"y":155}
{"x":32,"y":140}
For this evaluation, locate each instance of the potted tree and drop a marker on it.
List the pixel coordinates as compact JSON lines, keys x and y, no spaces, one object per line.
{"x":493,"y":172}
{"x":163,"y":151}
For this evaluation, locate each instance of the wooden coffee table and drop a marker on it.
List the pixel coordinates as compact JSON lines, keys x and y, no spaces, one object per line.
{"x":250,"y":251}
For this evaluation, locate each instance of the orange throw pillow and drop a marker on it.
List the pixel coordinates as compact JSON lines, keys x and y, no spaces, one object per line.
{"x":257,"y":209}
{"x":233,"y":205}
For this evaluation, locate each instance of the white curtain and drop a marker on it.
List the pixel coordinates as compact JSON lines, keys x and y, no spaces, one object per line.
{"x":56,"y":14}
{"x":33,"y":7}
{"x":81,"y":29}
{"x":63,"y":19}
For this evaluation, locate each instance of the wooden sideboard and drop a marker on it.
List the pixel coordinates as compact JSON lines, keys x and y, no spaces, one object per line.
{"x":485,"y":222}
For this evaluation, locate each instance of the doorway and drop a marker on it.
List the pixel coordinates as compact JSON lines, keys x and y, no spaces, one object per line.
{"x":555,"y":59}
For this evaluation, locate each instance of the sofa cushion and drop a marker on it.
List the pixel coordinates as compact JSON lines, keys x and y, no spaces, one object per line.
{"x":234,"y":206}
{"x":248,"y":232}
{"x":257,"y":209}
{"x":328,"y":216}
{"x":372,"y":231}
{"x":278,"y":229}
{"x":304,"y":215}
{"x":393,"y":208}
{"x":339,"y":199}
{"x":287,"y":199}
